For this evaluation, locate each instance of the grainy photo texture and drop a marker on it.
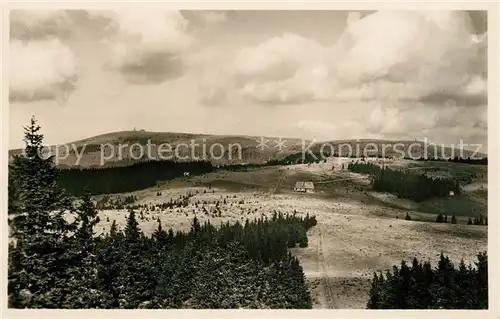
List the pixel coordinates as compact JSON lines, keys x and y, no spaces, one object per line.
{"x":248,"y":159}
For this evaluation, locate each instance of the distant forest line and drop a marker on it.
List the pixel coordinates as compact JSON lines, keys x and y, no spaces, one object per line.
{"x":417,"y":187}
{"x":120,"y":179}
{"x":58,"y":262}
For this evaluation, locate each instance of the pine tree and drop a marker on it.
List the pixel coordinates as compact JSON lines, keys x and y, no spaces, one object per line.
{"x":439,"y":218}
{"x":12,"y":194}
{"x":160,"y":236}
{"x":113,"y":231}
{"x":469,"y":222}
{"x":404,"y":287}
{"x":132,"y":231}
{"x":87,"y":217}
{"x":481,"y":281}
{"x":373,"y":302}
{"x":446,"y":218}
{"x":428,"y":280}
{"x":445,"y":275}
{"x":407,"y":217}
{"x":464,"y":283}
{"x":38,"y":226}
{"x":453,"y":219}
{"x":82,"y":289}
{"x":419,"y":297}
{"x":195,"y":226}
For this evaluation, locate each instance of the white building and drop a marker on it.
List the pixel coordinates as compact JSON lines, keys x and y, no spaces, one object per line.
{"x":305,"y":187}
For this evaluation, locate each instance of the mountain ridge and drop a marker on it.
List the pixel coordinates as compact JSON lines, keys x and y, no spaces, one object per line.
{"x":254,"y":149}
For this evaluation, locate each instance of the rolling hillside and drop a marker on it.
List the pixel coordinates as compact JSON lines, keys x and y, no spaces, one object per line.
{"x":251,"y":151}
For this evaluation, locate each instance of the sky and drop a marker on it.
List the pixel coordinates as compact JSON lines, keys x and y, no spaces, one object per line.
{"x":318,"y":75}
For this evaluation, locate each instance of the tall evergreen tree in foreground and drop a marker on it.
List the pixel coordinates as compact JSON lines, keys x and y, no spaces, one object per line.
{"x":39,"y":229}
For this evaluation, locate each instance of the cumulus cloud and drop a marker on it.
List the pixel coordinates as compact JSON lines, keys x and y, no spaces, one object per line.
{"x":204,"y":18}
{"x":318,"y":129}
{"x":423,"y":80}
{"x":417,"y":74}
{"x":41,"y":70}
{"x":33,"y":24}
{"x":62,"y":24}
{"x":431,"y":56}
{"x":329,"y":129}
{"x":148,"y":46}
{"x":277,"y":71}
{"x":449,"y":122}
{"x":43,"y":65}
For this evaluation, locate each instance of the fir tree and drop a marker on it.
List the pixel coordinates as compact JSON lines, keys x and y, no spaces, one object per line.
{"x":453,"y":219}
{"x":113,"y":231}
{"x":82,"y":290}
{"x":38,"y":226}
{"x":160,"y":236}
{"x":423,"y":287}
{"x":439,"y":218}
{"x":374,"y":301}
{"x":464,"y":297}
{"x":132,"y":231}
{"x":87,"y":218}
{"x":481,"y":281}
{"x":469,"y":222}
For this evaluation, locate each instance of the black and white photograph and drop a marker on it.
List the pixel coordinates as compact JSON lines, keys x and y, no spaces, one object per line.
{"x":330,"y":159}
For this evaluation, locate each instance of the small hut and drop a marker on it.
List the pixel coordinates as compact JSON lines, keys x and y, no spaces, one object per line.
{"x":304,"y":187}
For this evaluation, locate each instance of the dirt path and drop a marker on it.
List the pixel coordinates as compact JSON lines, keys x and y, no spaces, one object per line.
{"x":475,"y":186}
{"x":329,"y":296}
{"x":343,"y":179}
{"x":278,"y":184}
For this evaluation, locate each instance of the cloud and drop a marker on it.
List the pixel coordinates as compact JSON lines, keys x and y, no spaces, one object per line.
{"x":41,"y":70}
{"x":273,"y":72}
{"x":449,"y":122}
{"x":410,"y":74}
{"x":329,"y":129}
{"x":33,"y":24}
{"x":315,"y":125}
{"x":428,"y":79}
{"x":204,"y":18}
{"x":353,"y":17}
{"x":431,"y":56}
{"x":428,"y":56}
{"x":43,"y":64}
{"x":479,"y":19}
{"x":147,"y":46}
{"x":62,"y":24}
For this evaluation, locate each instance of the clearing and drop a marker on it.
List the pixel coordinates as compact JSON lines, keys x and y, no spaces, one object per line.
{"x":358,"y":232}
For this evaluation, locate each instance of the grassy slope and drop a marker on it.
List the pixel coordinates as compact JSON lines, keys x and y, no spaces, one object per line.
{"x":250,"y":152}
{"x":357,"y":228}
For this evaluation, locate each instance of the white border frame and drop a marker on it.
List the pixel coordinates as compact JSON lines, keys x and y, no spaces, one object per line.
{"x":493,"y":157}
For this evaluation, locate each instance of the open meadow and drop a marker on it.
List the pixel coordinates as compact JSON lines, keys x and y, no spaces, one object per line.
{"x":359,"y":231}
